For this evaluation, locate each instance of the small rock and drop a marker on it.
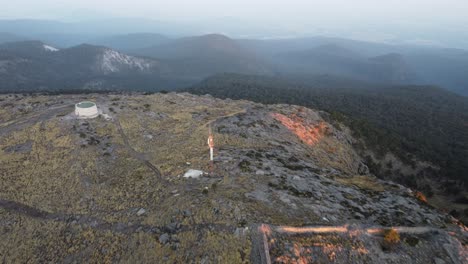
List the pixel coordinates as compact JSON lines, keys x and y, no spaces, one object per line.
{"x":237,"y":213}
{"x":363,"y":169}
{"x":358,"y":216}
{"x":173,"y":227}
{"x":438,"y":261}
{"x":187,"y":213}
{"x":141,"y":212}
{"x":259,"y":172}
{"x":195,"y":174}
{"x":154,"y":230}
{"x":241,"y":232}
{"x":164,"y":238}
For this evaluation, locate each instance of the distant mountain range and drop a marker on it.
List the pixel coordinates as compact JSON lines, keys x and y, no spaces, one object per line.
{"x":187,"y":60}
{"x":419,"y":64}
{"x":33,"y":66}
{"x":9,"y":37}
{"x":206,"y":55}
{"x":334,"y":59}
{"x":130,"y":42}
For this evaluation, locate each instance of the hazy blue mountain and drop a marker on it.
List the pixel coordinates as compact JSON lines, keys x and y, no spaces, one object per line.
{"x":98,"y":27}
{"x":129,"y":42}
{"x":33,"y":66}
{"x":201,"y":56}
{"x":447,"y":68}
{"x":34,"y":27}
{"x":28,"y":49}
{"x":9,"y":37}
{"x":206,"y":55}
{"x":393,"y":68}
{"x":271,"y":47}
{"x":421,"y":64}
{"x":336,"y":60}
{"x":74,"y":33}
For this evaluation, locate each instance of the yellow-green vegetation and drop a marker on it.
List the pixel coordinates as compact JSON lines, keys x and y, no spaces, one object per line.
{"x":111,"y":189}
{"x":43,"y":177}
{"x":326,"y":248}
{"x":391,"y":238}
{"x":421,"y":197}
{"x":335,"y":154}
{"x":362,"y":182}
{"x":29,"y":240}
{"x":79,"y":184}
{"x":176,"y":123}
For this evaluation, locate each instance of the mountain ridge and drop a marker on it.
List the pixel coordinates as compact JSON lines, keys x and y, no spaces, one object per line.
{"x":126,"y":191}
{"x":424,"y":123}
{"x":208,"y":54}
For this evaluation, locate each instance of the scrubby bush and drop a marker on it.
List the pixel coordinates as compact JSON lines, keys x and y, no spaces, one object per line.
{"x":391,"y":239}
{"x":421,"y":197}
{"x":245,"y":166}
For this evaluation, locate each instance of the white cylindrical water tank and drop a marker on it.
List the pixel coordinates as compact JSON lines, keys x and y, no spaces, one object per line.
{"x":86,"y":109}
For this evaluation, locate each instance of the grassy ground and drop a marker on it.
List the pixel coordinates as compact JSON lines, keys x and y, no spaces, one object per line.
{"x":74,"y":190}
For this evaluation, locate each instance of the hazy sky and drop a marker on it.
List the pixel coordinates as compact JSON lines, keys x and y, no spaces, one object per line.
{"x":414,"y":20}
{"x":424,"y":11}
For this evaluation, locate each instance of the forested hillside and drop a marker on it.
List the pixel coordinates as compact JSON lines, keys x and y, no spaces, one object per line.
{"x":425,"y":122}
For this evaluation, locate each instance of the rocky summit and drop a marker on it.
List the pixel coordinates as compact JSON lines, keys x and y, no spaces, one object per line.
{"x":286,"y":186}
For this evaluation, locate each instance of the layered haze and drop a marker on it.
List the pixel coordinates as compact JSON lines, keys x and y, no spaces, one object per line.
{"x":411,"y":22}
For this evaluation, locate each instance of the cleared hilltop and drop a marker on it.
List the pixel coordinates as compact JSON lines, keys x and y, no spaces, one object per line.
{"x":111,"y":189}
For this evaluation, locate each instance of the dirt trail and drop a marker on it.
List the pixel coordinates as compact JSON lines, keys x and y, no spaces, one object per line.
{"x":22,"y":122}
{"x":99,"y":224}
{"x":135,"y":154}
{"x":343,"y":229}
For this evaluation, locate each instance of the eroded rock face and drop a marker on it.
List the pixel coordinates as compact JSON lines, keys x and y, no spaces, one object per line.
{"x":102,"y":190}
{"x":308,"y":166}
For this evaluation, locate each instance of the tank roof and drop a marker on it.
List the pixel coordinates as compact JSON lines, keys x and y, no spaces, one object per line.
{"x":85,"y":104}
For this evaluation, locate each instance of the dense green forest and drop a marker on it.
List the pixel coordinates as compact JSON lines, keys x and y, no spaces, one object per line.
{"x":426,"y":122}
